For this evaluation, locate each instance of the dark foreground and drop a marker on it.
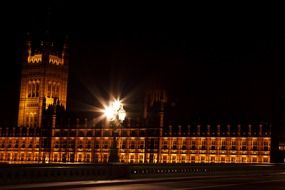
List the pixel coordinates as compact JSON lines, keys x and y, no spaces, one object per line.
{"x":259,"y":180}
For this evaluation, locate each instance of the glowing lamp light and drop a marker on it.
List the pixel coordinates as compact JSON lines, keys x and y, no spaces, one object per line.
{"x":116,"y":105}
{"x":115,"y":111}
{"x":122,"y":114}
{"x":109,"y":113}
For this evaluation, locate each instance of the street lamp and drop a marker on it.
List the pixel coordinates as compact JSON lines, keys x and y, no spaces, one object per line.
{"x":116,"y":114}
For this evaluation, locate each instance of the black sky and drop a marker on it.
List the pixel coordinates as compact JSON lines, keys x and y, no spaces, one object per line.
{"x":214,"y":63}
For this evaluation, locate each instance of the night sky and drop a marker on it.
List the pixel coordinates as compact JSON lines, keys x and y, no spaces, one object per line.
{"x":214,"y":64}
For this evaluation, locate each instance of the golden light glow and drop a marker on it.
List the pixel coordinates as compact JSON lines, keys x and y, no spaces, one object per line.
{"x":115,"y":111}
{"x":35,"y":58}
{"x":56,"y":60}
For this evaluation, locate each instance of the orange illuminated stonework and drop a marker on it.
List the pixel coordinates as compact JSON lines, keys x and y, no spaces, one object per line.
{"x":88,"y":142}
{"x":44,"y":78}
{"x":42,"y":137}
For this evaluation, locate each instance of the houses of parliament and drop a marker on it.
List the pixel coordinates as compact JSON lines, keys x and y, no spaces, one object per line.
{"x":45,"y":135}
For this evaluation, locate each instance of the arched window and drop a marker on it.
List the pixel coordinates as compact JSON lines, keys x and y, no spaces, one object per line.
{"x":37,"y":88}
{"x":32,"y":120}
{"x":49,"y":90}
{"x":33,"y":88}
{"x":53,"y":89}
{"x":29,"y":89}
{"x":57,"y":90}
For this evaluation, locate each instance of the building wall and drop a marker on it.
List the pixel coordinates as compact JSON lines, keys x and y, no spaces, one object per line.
{"x":92,"y":145}
{"x":44,"y":77}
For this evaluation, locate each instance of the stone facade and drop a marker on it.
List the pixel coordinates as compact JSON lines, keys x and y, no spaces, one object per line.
{"x":44,"y":78}
{"x":87,"y":142}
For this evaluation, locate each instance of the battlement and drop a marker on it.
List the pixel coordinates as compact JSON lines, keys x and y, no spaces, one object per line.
{"x":35,"y":58}
{"x":56,"y":60}
{"x":53,"y":59}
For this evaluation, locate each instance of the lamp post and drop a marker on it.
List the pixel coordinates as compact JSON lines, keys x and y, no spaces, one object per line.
{"x":116,"y":114}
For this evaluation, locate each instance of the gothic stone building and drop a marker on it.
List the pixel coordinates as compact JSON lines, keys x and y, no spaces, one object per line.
{"x":41,"y":137}
{"x":44,"y":77}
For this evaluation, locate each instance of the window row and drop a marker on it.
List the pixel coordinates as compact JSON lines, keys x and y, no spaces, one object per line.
{"x":53,"y":89}
{"x":33,"y":88}
{"x":32,"y":120}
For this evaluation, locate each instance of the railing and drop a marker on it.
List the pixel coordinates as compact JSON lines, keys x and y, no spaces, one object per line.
{"x":17,"y":174}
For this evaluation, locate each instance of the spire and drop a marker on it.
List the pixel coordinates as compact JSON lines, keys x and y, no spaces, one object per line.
{"x":46,"y":41}
{"x":28,"y":47}
{"x":65,"y":50}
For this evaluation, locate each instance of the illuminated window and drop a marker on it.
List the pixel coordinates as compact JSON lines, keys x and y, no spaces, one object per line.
{"x":29,"y":89}
{"x":234,"y":145}
{"x":88,"y":158}
{"x":193,"y":159}
{"x":49,"y":94}
{"x":57,"y":90}
{"x":17,"y":144}
{"x":132,"y":159}
{"x":141,"y":144}
{"x":29,"y":157}
{"x":56,"y":145}
{"x":183,"y":159}
{"x":33,"y":88}
{"x":174,"y":145}
{"x":254,"y":144}
{"x":184,"y":145}
{"x":88,"y":144}
{"x":193,"y":145}
{"x":97,"y":144}
{"x":80,"y":145}
{"x":164,"y":159}
{"x":53,"y":89}
{"x":213,"y":145}
{"x":223,"y":145}
{"x":173,"y":159}
{"x":55,"y":157}
{"x":132,"y":144}
{"x":79,"y":157}
{"x":243,"y":145}
{"x":37,"y":89}
{"x":106,"y":144}
{"x":164,"y":146}
{"x":105,"y":158}
{"x":265,"y":160}
{"x":265,"y":145}
{"x":141,"y":159}
{"x":124,"y":144}
{"x":22,"y":157}
{"x":203,"y":144}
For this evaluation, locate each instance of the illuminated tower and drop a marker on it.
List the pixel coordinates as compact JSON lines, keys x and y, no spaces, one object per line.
{"x":44,"y":79}
{"x":154,"y":102}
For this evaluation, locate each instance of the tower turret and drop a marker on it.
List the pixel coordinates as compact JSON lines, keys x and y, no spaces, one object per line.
{"x":44,"y":77}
